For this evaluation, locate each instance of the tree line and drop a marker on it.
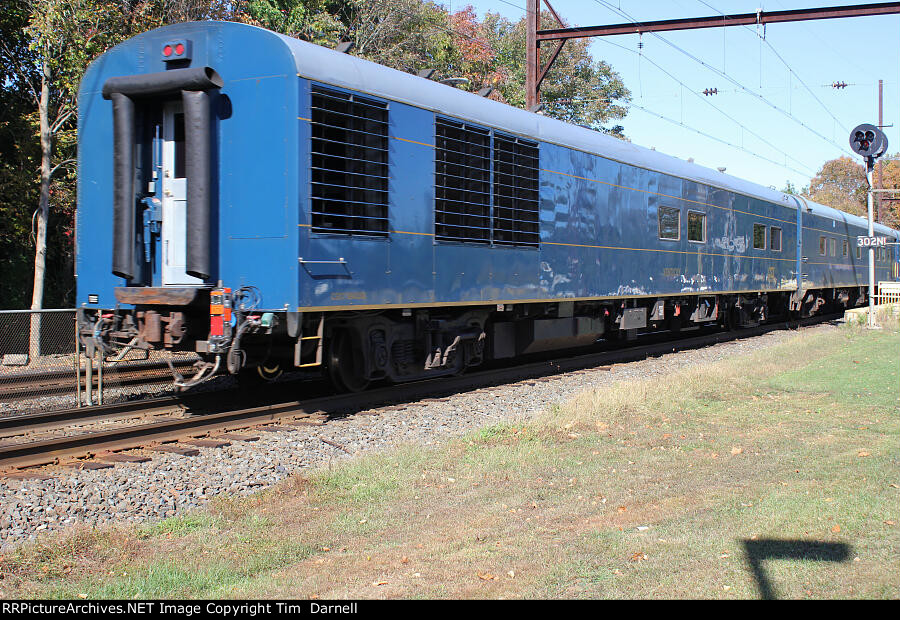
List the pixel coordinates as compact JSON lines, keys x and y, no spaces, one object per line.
{"x":46,"y":45}
{"x":841,"y":183}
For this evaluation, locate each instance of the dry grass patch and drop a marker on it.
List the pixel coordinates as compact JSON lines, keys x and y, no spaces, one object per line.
{"x":647,"y":488}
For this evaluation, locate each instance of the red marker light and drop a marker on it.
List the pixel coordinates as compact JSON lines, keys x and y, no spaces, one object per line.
{"x":167,"y":51}
{"x":179,"y":49}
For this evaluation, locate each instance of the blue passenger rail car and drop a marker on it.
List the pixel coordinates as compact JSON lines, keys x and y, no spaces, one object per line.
{"x":273,"y":204}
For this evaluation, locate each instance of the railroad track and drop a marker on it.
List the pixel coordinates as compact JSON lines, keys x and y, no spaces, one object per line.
{"x":21,"y":386}
{"x":203,"y":422}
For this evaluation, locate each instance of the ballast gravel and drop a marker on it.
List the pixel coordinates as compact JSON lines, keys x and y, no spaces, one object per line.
{"x":171,"y":484}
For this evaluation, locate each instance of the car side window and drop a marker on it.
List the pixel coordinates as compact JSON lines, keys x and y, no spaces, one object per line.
{"x":775,"y":239}
{"x":669,"y":223}
{"x":759,"y":236}
{"x":696,"y":226}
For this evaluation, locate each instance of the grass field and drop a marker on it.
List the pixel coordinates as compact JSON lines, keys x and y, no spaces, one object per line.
{"x":775,"y":474}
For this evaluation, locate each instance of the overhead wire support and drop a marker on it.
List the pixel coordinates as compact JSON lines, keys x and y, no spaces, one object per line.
{"x":759,"y":20}
{"x":708,"y":102}
{"x":535,"y":37}
{"x":763,"y":39}
{"x":717,"y":21}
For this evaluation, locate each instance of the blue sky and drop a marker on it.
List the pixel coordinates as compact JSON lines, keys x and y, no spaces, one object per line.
{"x":798,"y":119}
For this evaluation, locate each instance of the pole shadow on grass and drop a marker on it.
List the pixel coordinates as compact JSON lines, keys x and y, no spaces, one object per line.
{"x":759,"y":551}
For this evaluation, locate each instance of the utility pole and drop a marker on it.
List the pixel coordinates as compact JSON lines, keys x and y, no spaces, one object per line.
{"x":880,"y":126}
{"x":532,"y":51}
{"x":534,"y":75}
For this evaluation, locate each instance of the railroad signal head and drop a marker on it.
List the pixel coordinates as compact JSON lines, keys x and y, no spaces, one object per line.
{"x":868,"y":140}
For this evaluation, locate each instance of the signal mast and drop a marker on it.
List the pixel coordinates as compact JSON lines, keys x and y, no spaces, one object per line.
{"x":870,"y":142}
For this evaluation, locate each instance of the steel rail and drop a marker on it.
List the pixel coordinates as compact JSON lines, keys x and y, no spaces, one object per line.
{"x":20,"y":386}
{"x":54,"y":450}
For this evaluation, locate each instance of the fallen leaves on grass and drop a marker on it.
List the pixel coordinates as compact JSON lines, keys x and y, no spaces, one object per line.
{"x":638,"y":556}
{"x":735,"y":450}
{"x":863,"y":453}
{"x":486,"y":576}
{"x":836,"y":529}
{"x":379,"y":583}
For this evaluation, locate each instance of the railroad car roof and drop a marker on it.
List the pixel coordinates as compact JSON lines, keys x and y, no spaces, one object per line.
{"x":344,"y":70}
{"x":325,"y":65}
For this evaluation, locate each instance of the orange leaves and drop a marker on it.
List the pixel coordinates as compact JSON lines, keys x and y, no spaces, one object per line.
{"x":638,"y":556}
{"x":473,"y":47}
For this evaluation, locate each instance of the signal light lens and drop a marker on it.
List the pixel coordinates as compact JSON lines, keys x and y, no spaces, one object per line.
{"x":167,"y":51}
{"x":179,"y":49}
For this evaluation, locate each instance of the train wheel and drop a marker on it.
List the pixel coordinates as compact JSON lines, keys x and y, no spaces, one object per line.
{"x":270,"y":371}
{"x":345,"y":367}
{"x":254,"y":378}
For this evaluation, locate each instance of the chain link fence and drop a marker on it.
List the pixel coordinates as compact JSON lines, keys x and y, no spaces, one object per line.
{"x":37,"y":359}
{"x":43,"y":366}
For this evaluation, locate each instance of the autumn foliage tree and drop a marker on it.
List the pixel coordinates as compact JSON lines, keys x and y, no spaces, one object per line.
{"x":411,"y":35}
{"x":841,"y":184}
{"x":46,"y":45}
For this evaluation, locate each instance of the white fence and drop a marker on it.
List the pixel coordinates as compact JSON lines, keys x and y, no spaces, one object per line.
{"x":888,"y":293}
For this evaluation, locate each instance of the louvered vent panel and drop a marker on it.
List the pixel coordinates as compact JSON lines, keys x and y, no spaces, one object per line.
{"x":462,"y":210}
{"x":516,"y":191}
{"x":349,"y":164}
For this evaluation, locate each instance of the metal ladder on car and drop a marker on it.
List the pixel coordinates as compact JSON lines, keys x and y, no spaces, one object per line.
{"x":298,"y":348}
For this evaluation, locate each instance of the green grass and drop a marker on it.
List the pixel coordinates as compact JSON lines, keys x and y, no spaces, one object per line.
{"x":644,"y":489}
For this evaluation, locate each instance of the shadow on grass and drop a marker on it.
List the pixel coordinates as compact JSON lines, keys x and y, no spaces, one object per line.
{"x":759,"y":551}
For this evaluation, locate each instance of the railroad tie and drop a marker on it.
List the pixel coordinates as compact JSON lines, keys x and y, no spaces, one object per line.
{"x":275,"y":428}
{"x":88,"y":465}
{"x":207,"y":443}
{"x":237,"y":437}
{"x":306,"y":422}
{"x":179,"y":450}
{"x":24,"y":474}
{"x":116,"y":457}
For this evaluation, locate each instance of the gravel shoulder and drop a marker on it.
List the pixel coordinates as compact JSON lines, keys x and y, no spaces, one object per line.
{"x":170,"y":485}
